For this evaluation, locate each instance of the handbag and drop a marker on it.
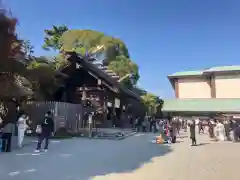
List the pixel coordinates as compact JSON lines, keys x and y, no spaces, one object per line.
{"x":39,"y":129}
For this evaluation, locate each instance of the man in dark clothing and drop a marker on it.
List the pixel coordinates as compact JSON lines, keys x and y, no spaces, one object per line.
{"x":153,"y":125}
{"x":47,"y":129}
{"x":8,"y":127}
{"x":193,"y":133}
{"x":200,"y":127}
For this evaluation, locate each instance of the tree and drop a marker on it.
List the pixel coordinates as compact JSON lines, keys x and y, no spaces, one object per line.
{"x":122,"y":66}
{"x":27,"y":48}
{"x":87,"y":40}
{"x":42,"y":77}
{"x":10,"y":47}
{"x":114,"y":47}
{"x":114,"y":54}
{"x":11,"y":70}
{"x":152,"y":103}
{"x":53,"y":36}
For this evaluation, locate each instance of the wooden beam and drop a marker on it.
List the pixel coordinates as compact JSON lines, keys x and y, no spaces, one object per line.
{"x":104,"y":83}
{"x":213,"y":86}
{"x":176,"y":88}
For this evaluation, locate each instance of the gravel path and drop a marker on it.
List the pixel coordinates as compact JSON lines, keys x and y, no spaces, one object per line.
{"x":134,"y":158}
{"x":208,"y":161}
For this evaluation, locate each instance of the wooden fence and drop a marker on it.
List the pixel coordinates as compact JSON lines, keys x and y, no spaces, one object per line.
{"x":70,"y":116}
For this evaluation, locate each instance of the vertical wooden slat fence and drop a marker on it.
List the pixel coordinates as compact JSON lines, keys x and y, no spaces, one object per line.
{"x":67,"y":115}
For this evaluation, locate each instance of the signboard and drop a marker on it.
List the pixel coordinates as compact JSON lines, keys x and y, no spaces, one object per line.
{"x":109,"y":104}
{"x":90,"y":119}
{"x":61,"y":121}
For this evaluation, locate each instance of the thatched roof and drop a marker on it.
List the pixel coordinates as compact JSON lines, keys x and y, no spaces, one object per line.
{"x":93,"y":69}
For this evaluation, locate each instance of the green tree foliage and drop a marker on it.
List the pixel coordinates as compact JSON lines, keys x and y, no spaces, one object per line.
{"x":27,"y":51}
{"x":53,"y":36}
{"x":59,"y":61}
{"x":114,"y":47}
{"x":116,"y":55}
{"x":41,"y":74}
{"x":27,"y":48}
{"x":152,"y":102}
{"x":87,"y":40}
{"x":81,"y":38}
{"x":121,"y":65}
{"x":116,"y":52}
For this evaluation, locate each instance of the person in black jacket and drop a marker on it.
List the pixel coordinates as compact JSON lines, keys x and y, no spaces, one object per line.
{"x":47,"y":129}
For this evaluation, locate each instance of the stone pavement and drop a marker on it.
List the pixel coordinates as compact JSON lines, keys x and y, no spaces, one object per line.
{"x":133,"y":158}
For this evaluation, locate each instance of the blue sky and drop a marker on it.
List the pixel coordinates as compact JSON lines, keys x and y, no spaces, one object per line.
{"x":163,"y":36}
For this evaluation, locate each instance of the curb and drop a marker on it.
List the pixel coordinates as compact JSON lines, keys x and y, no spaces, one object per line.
{"x":118,"y":138}
{"x":107,"y":138}
{"x":128,"y":135}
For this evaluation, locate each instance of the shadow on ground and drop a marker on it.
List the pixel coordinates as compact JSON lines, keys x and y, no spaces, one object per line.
{"x":202,"y":144}
{"x":85,"y":159}
{"x":120,"y":157}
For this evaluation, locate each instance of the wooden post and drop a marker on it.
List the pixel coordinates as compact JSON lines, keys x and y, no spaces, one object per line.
{"x":84,"y":96}
{"x":113,"y":112}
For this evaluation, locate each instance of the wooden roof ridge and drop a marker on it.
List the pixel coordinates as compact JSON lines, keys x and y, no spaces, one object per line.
{"x":102,"y":75}
{"x":94,"y":69}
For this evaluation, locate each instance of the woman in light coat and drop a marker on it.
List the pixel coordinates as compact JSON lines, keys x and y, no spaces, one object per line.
{"x":22,"y":126}
{"x":220,"y":131}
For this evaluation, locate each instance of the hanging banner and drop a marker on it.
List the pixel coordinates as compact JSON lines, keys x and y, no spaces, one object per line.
{"x":117,"y":103}
{"x":109,"y":104}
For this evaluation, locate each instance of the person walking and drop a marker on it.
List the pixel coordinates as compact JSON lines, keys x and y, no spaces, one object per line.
{"x":137,"y":124}
{"x":151,"y":124}
{"x":173,"y":129}
{"x":45,"y":129}
{"x":154,"y":125}
{"x":130,"y":118}
{"x":211,"y":125}
{"x":22,"y":126}
{"x":234,"y":127}
{"x":227,"y":130}
{"x":200,"y":127}
{"x":145,"y":124}
{"x":193,"y":133}
{"x":220,"y":131}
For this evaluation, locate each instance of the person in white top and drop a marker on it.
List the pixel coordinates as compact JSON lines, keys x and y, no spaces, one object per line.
{"x":220,"y":131}
{"x":197,"y":121}
{"x":22,"y":126}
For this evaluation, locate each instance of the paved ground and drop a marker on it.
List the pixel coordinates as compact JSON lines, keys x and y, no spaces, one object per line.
{"x":134,"y":158}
